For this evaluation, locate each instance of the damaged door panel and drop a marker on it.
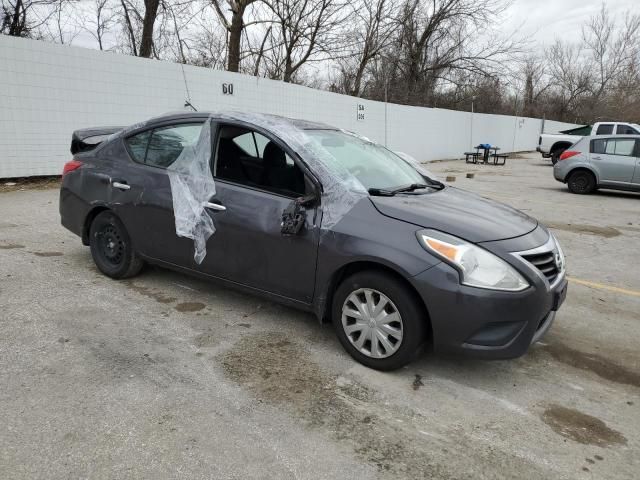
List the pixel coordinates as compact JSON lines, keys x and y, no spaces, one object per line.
{"x":249,"y":247}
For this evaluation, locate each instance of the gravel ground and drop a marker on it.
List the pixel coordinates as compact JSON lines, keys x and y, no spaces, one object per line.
{"x":166,"y":376}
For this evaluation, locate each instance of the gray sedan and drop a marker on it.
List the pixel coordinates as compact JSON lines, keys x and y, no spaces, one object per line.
{"x":320,"y":219}
{"x":601,"y":162}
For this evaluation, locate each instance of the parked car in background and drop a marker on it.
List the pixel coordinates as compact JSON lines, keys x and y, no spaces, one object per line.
{"x":594,"y":162}
{"x":552,"y":145}
{"x":411,"y":262}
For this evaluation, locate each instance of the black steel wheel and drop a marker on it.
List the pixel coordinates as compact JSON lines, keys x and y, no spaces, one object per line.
{"x":111,"y":247}
{"x":581,"y":182}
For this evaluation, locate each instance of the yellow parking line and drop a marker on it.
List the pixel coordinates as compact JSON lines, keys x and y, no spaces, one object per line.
{"x":633,"y":293}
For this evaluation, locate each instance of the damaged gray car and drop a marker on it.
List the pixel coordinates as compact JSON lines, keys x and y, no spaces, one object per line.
{"x":319,"y":219}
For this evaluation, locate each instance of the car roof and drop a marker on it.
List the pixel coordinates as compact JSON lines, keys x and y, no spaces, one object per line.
{"x":298,"y":123}
{"x":612,"y":136}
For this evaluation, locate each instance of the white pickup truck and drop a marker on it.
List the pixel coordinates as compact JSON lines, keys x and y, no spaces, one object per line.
{"x":552,"y":145}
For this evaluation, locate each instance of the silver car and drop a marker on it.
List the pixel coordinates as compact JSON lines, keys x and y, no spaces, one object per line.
{"x":601,"y":162}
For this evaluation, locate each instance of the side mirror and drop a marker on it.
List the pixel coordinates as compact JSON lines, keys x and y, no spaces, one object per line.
{"x":295,"y":215}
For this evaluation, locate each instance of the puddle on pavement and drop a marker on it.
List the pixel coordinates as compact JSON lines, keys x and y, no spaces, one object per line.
{"x":10,"y":246}
{"x":190,"y":307}
{"x":280,"y":372}
{"x":606,"y":232}
{"x":593,"y":363}
{"x":48,"y":254}
{"x":150,"y":293}
{"x":581,"y":427}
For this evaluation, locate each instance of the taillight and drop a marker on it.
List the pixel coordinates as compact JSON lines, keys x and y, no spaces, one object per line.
{"x":568,"y":154}
{"x":71,"y":166}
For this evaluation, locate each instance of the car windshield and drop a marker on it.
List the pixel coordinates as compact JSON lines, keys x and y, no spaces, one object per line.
{"x":373,"y":165}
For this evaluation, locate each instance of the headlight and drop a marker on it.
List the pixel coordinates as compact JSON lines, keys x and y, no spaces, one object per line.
{"x":560,"y":261}
{"x":477,"y":267}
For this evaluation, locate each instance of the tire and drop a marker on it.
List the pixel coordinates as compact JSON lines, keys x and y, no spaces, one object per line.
{"x":111,"y":247}
{"x":555,"y":156}
{"x":413,"y":322}
{"x":581,"y":182}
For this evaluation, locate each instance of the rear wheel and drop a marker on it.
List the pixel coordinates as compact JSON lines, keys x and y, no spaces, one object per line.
{"x":111,"y":247}
{"x":378,"y":320}
{"x":555,"y":156}
{"x":581,"y":182}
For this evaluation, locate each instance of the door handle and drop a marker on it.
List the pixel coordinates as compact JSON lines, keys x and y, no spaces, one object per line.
{"x":121,"y":186}
{"x":215,"y":206}
{"x":596,"y":158}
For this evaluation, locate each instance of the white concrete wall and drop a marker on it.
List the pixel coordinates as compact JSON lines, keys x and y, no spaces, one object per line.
{"x":48,"y":90}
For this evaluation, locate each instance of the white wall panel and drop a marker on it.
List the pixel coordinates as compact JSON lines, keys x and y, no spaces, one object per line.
{"x":48,"y":90}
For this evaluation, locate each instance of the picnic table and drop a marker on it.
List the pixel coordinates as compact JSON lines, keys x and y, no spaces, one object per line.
{"x":474,"y":157}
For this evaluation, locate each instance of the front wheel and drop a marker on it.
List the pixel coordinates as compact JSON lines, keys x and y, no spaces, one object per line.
{"x":378,"y":320}
{"x":581,"y":182}
{"x":111,"y":247}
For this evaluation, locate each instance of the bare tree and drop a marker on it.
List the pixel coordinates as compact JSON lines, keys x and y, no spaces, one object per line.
{"x":306,"y":29}
{"x":20,"y":18}
{"x":612,"y":49}
{"x":440,"y":37}
{"x":533,"y":83}
{"x":149,"y":19}
{"x":571,"y":78}
{"x":235,"y":26}
{"x":369,"y":33}
{"x":102,"y":22}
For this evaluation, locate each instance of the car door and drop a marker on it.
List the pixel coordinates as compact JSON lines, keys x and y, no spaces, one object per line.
{"x":636,"y":173}
{"x":248,"y":247}
{"x":149,"y":216}
{"x":614,"y":160}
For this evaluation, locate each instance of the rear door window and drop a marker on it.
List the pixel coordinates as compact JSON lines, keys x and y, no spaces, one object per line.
{"x":137,"y":145}
{"x":167,"y":143}
{"x":605,"y":129}
{"x":598,"y":146}
{"x":626,"y":130}
{"x":614,"y":146}
{"x":160,"y":147}
{"x":623,"y":146}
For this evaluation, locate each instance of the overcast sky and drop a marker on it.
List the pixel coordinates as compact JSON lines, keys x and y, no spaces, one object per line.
{"x":546,"y":20}
{"x":541,"y":20}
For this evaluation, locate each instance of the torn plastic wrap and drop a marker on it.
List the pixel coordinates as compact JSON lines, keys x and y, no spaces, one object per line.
{"x":417,"y":165}
{"x":341,"y":189}
{"x":192,"y":186}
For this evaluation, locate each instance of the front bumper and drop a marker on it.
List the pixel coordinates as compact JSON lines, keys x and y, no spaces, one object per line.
{"x":486,"y":323}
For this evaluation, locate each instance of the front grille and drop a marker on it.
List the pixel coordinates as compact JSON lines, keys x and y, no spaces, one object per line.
{"x":545,"y":262}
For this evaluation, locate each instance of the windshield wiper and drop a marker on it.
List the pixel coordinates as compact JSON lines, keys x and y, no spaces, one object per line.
{"x":385,"y":192}
{"x":410,"y":188}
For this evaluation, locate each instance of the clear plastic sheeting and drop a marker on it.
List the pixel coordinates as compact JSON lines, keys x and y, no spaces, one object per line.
{"x":192,"y":186}
{"x":416,"y":164}
{"x":341,"y":189}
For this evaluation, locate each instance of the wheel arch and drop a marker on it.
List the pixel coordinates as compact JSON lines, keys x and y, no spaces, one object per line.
{"x":582,"y":168}
{"x":559,"y":146}
{"x":367,"y":265}
{"x":93,"y":213}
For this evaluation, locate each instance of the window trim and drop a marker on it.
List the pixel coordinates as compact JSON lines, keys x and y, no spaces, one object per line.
{"x":612,"y":125}
{"x":308,"y":174}
{"x":152,"y":129}
{"x":634,"y":152}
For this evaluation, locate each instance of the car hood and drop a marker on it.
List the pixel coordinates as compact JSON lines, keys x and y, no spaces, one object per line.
{"x":463,"y":214}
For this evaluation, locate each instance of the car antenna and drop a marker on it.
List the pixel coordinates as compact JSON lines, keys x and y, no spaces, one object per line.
{"x":187,"y":103}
